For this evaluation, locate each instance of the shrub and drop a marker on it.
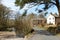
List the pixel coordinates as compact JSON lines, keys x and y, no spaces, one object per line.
{"x":22,"y":27}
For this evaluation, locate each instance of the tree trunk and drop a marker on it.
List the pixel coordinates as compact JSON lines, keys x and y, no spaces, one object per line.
{"x":57,"y":4}
{"x":59,"y":11}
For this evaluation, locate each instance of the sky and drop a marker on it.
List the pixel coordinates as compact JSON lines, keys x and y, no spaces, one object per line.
{"x":11,"y":5}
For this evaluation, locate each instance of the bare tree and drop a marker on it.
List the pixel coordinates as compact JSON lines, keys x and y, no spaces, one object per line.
{"x":3,"y":13}
{"x":22,"y":25}
{"x":47,"y":3}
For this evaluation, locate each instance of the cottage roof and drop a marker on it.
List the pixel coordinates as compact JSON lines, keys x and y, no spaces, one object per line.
{"x":38,"y":19}
{"x":55,"y":15}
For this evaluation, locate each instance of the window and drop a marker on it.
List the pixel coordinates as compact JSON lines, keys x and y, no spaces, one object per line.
{"x":39,"y":21}
{"x":53,"y":18}
{"x":50,"y":23}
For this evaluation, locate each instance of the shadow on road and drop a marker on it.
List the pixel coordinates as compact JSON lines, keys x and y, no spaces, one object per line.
{"x":43,"y":32}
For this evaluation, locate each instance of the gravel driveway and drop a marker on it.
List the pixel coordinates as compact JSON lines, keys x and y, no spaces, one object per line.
{"x":10,"y":36}
{"x":12,"y":39}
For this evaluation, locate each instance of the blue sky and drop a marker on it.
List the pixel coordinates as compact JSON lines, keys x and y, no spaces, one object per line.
{"x":11,"y":5}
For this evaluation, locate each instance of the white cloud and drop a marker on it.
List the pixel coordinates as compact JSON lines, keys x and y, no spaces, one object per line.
{"x":10,"y":4}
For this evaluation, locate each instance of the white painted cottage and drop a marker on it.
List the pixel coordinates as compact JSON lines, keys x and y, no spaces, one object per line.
{"x":51,"y":19}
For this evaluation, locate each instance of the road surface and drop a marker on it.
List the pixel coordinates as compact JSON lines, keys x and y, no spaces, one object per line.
{"x":41,"y":34}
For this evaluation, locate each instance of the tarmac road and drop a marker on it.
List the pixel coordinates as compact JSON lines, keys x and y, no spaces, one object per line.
{"x":41,"y":34}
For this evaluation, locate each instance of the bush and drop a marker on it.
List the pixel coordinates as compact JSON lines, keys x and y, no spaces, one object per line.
{"x":22,"y":27}
{"x":3,"y":28}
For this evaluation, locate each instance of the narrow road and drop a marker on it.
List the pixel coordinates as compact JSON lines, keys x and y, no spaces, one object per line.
{"x":41,"y":34}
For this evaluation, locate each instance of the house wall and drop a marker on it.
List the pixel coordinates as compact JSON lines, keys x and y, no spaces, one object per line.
{"x":51,"y":19}
{"x":38,"y":22}
{"x":57,"y":19}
